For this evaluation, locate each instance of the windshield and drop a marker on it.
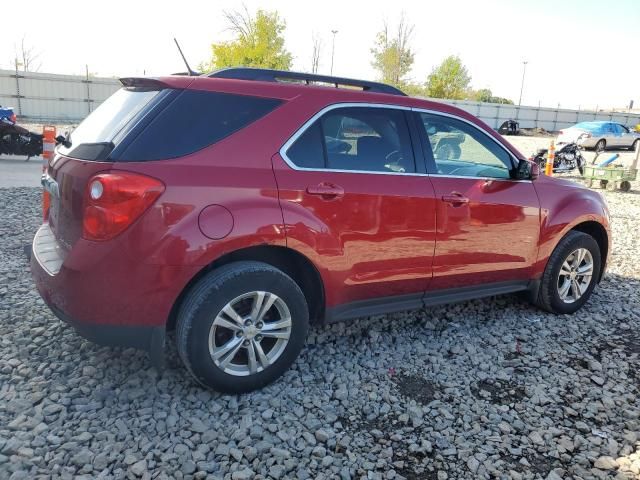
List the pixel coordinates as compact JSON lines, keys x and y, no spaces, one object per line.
{"x":104,"y":123}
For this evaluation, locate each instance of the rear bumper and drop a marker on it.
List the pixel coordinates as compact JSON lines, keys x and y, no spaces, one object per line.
{"x":106,"y":296}
{"x":140,"y":337}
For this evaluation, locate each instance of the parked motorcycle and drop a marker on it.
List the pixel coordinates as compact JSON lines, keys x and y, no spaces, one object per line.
{"x":568,"y":157}
{"x":17,"y":140}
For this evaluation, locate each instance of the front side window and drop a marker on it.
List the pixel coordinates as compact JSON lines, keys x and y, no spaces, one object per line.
{"x":356,"y":139}
{"x":460,"y":149}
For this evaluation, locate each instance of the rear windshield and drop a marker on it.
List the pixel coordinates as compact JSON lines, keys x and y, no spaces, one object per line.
{"x":106,"y":121}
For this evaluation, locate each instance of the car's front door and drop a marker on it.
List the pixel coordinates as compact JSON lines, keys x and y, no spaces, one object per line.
{"x":625,"y":137}
{"x":356,"y":204}
{"x":487,"y":223}
{"x":611,"y":135}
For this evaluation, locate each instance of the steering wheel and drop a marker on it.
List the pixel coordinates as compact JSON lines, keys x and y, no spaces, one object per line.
{"x":392,"y":161}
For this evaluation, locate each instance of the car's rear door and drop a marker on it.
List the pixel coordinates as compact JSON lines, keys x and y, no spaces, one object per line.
{"x":355,"y":203}
{"x":487,"y":223}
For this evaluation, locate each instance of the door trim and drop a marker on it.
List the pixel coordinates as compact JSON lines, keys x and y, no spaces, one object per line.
{"x":415,"y":301}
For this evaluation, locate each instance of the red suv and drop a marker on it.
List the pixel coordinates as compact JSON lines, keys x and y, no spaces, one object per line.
{"x":238,"y":208}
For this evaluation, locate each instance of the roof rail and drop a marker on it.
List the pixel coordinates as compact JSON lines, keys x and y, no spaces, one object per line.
{"x":268,"y":75}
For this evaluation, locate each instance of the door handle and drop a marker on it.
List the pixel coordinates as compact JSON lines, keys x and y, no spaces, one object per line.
{"x":327,"y":190}
{"x":455,"y":198}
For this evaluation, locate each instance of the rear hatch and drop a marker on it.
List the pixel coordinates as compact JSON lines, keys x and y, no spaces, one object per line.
{"x":88,"y":150}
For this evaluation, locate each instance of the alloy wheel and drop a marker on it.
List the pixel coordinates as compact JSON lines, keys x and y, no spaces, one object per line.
{"x":575,"y":275}
{"x":250,"y":333}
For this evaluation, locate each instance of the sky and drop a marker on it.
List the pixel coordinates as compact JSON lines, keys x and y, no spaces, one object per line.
{"x":580,"y":53}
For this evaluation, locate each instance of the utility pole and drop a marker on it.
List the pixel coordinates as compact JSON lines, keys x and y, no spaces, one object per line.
{"x":333,"y":48}
{"x":524,"y":70}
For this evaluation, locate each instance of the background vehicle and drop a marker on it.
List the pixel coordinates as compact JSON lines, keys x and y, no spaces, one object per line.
{"x":599,"y":135}
{"x":7,"y":115}
{"x":568,"y":157}
{"x":279,"y":204}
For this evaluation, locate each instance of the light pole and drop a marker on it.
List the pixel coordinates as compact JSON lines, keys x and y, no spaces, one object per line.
{"x":333,"y":48}
{"x":524,"y":70}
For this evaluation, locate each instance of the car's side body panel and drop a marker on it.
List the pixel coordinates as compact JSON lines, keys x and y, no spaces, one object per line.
{"x":565,"y":205}
{"x":376,"y":240}
{"x":493,"y":238}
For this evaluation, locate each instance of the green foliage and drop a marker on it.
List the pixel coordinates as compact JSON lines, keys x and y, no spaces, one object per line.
{"x":485,"y":95}
{"x":392,"y":54}
{"x":258,"y":42}
{"x":450,"y":79}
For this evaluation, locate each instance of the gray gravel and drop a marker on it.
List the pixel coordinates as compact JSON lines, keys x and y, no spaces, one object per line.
{"x":483,"y":389}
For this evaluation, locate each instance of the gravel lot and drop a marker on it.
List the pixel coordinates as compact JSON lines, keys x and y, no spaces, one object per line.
{"x":482,"y":389}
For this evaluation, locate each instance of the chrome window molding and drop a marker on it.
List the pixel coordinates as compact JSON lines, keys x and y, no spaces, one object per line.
{"x":328,"y":108}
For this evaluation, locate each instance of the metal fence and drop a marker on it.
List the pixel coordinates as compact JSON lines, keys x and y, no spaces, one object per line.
{"x":45,"y":97}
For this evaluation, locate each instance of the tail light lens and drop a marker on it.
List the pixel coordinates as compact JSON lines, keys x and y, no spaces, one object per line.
{"x":113,"y":201}
{"x":13,"y":118}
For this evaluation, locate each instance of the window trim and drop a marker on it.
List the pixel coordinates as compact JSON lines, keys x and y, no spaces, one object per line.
{"x":426,"y":156}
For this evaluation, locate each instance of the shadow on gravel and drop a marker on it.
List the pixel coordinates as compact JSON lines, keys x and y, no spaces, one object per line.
{"x":415,"y":388}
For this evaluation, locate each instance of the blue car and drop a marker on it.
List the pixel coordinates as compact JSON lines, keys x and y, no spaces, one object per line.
{"x":7,"y":115}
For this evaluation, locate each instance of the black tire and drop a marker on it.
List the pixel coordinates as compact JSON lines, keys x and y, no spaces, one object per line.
{"x":548,"y":296}
{"x":209,"y":296}
{"x":581,"y":169}
{"x":625,"y":185}
{"x":603,"y":184}
{"x":601,"y":145}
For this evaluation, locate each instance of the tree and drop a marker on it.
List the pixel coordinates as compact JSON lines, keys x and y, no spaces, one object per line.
{"x":485,"y":95}
{"x":26,"y":57}
{"x":315,"y":54}
{"x":258,"y":42}
{"x":392,"y":54}
{"x":450,"y":79}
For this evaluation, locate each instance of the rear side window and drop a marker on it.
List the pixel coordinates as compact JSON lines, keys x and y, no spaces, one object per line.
{"x":193,"y":121}
{"x":363,"y":139}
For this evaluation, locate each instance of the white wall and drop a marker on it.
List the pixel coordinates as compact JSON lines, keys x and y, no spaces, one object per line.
{"x":45,"y":97}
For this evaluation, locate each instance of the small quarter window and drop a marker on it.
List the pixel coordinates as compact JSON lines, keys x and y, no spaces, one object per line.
{"x":306,"y":152}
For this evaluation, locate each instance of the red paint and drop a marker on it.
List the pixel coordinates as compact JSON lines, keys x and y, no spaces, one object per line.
{"x":367,"y":235}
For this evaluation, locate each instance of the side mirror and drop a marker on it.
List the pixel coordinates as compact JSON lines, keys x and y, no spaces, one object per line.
{"x":60,"y":140}
{"x":527,"y":170}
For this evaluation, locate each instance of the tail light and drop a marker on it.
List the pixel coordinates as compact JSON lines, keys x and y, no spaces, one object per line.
{"x":113,"y":201}
{"x":13,"y":118}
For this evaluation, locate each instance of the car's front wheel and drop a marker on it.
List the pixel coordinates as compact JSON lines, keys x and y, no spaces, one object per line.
{"x":241,"y":326}
{"x":601,"y":145}
{"x":571,"y":274}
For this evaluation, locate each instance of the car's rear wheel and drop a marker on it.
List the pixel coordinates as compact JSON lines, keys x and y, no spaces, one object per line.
{"x":571,"y":274}
{"x":634,"y":145}
{"x":241,"y":326}
{"x":601,"y":145}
